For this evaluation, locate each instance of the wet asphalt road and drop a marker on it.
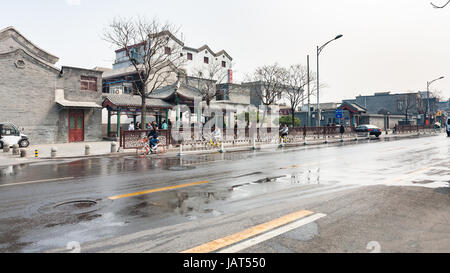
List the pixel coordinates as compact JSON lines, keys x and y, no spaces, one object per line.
{"x":394,"y":194}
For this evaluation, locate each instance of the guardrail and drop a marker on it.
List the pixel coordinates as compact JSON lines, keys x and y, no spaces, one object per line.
{"x":130,"y":139}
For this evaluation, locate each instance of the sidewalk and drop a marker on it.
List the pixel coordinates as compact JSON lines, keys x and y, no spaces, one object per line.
{"x":64,"y":150}
{"x":103,"y":148}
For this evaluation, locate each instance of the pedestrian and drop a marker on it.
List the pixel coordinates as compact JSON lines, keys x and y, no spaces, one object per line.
{"x":148,"y":126}
{"x":342,"y":130}
{"x":164,"y":125}
{"x":131,"y":127}
{"x":154,"y":125}
{"x":138,"y":126}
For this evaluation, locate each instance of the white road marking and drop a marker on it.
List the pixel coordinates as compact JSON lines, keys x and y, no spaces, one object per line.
{"x":37,"y":181}
{"x":271,"y":234}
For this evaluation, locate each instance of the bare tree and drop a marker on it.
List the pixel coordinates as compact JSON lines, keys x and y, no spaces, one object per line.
{"x":440,"y":7}
{"x":208,"y":79}
{"x":433,"y":101}
{"x":272,"y":79}
{"x":410,"y":103}
{"x":296,"y":82}
{"x":152,"y":49}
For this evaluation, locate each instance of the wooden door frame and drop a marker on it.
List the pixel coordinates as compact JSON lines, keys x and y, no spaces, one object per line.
{"x":76,"y":113}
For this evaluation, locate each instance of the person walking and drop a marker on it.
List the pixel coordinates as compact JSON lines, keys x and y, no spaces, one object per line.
{"x":342,"y":130}
{"x":164,"y":125}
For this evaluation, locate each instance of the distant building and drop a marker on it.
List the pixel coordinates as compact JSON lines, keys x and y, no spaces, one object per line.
{"x":52,"y":105}
{"x":196,"y":59}
{"x":408,"y":105}
{"x":123,"y":78}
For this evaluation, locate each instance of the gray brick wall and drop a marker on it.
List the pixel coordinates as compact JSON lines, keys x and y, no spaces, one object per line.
{"x":28,"y":99}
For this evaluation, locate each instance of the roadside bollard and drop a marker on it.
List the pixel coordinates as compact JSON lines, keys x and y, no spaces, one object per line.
{"x":222,"y":150}
{"x":254,"y":144}
{"x":113,"y":147}
{"x":87,"y":149}
{"x":36,"y":153}
{"x":6,"y":147}
{"x":181,"y":150}
{"x":53,"y":153}
{"x":15,"y":150}
{"x":23,"y":153}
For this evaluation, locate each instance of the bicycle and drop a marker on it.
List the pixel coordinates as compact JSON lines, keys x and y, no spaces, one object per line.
{"x":144,"y":148}
{"x":285,"y":139}
{"x":213,"y":143}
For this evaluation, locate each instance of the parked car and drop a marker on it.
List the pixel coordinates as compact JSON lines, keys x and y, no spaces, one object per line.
{"x":10,"y":134}
{"x":371,"y":129}
{"x":448,"y":126}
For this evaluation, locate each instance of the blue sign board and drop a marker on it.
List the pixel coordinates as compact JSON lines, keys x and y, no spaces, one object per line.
{"x":339,"y":114}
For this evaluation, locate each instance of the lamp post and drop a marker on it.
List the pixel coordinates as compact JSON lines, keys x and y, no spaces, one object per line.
{"x":319,"y":50}
{"x":428,"y":97}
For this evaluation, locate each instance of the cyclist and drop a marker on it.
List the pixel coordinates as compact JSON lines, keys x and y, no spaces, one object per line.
{"x":284,"y":131}
{"x":153,"y":136}
{"x":216,"y":135}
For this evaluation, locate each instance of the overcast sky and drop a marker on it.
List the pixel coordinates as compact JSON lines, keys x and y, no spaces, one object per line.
{"x":388,"y":45}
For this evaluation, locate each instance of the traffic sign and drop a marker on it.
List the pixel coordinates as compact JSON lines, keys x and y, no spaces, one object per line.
{"x":339,"y":114}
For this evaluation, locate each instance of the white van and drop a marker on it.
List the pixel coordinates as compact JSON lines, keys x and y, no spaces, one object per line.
{"x":11,"y":135}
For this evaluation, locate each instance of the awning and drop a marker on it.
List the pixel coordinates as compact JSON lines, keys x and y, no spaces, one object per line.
{"x":61,"y":101}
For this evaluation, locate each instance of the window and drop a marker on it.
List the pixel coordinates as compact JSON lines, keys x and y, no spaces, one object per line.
{"x":9,"y":130}
{"x":224,"y":64}
{"x":400,"y":105}
{"x":206,"y":60}
{"x":167,"y":50}
{"x":189,"y":56}
{"x":88,"y":83}
{"x":181,"y":54}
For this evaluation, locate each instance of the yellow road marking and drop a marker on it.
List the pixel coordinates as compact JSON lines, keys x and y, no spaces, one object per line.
{"x":157,"y":190}
{"x":413,"y":173}
{"x":245,"y":234}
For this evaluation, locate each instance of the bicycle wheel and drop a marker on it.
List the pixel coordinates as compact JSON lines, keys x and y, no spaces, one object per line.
{"x":142,"y":151}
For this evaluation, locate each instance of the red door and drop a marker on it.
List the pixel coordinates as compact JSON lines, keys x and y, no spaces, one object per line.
{"x":76,"y":126}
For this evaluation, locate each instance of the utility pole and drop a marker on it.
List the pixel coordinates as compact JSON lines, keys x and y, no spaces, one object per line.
{"x":427,"y":114}
{"x":319,"y":50}
{"x":309,"y":93}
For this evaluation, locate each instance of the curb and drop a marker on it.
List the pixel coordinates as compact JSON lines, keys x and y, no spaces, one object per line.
{"x":174,"y":151}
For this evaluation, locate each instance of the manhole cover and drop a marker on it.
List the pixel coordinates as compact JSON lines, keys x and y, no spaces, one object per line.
{"x":181,"y":168}
{"x":75,"y":205}
{"x":71,"y":207}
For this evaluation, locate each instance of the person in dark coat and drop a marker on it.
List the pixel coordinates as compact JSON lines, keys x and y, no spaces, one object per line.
{"x":342,"y":130}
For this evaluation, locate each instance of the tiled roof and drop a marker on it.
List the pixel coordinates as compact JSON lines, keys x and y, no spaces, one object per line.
{"x":136,"y":101}
{"x":168,"y":91}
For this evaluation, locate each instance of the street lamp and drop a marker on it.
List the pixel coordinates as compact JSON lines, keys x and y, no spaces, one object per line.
{"x":319,"y":50}
{"x":428,"y":97}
